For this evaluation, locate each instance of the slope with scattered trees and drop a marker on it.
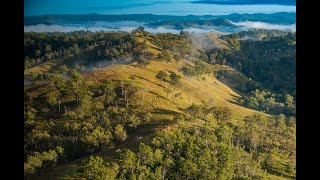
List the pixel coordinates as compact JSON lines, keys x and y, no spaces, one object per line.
{"x":162,"y":115}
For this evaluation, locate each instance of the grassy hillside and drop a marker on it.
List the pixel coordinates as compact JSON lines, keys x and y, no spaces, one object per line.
{"x":154,"y":98}
{"x":159,"y":97}
{"x":191,"y":89}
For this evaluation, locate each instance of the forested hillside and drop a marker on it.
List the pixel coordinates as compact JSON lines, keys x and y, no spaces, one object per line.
{"x":118,"y":105}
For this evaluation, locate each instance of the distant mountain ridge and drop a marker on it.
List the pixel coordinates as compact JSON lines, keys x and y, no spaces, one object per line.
{"x":194,"y":23}
{"x":248,"y":2}
{"x":276,"y":18}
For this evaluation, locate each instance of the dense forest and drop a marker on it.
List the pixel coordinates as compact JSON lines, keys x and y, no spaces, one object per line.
{"x":68,"y":116}
{"x":271,"y":61}
{"x":217,"y":150}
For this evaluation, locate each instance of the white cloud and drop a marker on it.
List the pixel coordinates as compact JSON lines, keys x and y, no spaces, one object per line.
{"x":263,"y":25}
{"x":128,"y":28}
{"x":50,"y":28}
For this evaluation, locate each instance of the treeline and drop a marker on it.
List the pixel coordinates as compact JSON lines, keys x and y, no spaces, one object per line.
{"x":216,"y":150}
{"x":91,"y":47}
{"x":41,"y":47}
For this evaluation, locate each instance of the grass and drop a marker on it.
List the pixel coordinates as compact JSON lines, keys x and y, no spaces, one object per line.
{"x":191,"y":89}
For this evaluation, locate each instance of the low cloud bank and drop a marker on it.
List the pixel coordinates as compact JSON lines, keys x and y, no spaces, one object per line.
{"x":263,"y":25}
{"x":129,"y":27}
{"x":61,"y":28}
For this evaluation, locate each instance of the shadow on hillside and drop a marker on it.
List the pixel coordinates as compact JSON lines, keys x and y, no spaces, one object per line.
{"x":150,"y":81}
{"x":235,"y":100}
{"x":169,"y":71}
{"x":159,"y":96}
{"x":36,"y":87}
{"x":144,"y":133}
{"x":281,"y":174}
{"x":236,"y":88}
{"x":234,"y":97}
{"x":165,"y":111}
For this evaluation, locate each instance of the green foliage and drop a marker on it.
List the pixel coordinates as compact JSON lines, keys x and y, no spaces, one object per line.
{"x":162,"y":75}
{"x":96,"y":137}
{"x":172,"y":42}
{"x":271,"y":62}
{"x":146,"y":154}
{"x":174,"y":79}
{"x":244,"y":165}
{"x":43,"y":159}
{"x":63,"y":69}
{"x":120,"y":133}
{"x":177,"y":57}
{"x":234,"y":41}
{"x":134,"y":121}
{"x":108,"y":90}
{"x":41,"y":47}
{"x":185,"y":153}
{"x":95,"y":168}
{"x":144,"y":62}
{"x":198,"y":69}
{"x":83,"y":125}
{"x":222,"y":114}
{"x":166,"y":56}
{"x":269,"y":102}
{"x":128,"y":160}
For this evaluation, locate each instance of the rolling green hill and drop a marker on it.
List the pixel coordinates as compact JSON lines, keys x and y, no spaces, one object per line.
{"x":81,"y":112}
{"x":154,"y":98}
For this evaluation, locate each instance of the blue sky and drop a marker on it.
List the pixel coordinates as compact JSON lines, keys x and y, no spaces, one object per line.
{"x":165,"y":7}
